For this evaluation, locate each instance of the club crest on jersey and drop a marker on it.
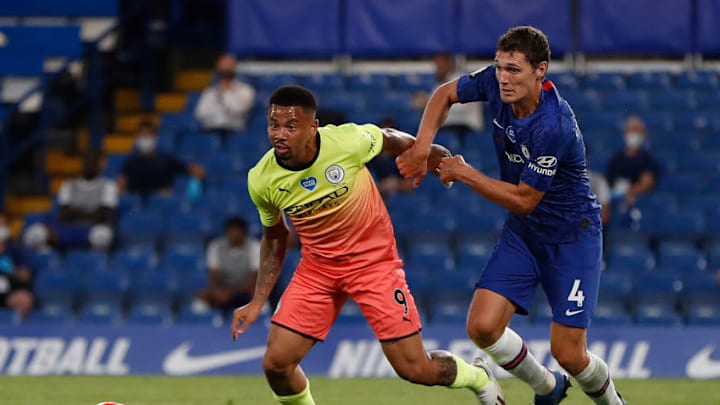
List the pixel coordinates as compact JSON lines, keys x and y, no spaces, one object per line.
{"x":525,"y":151}
{"x":309,"y":183}
{"x":335,"y":174}
{"x":510,"y":133}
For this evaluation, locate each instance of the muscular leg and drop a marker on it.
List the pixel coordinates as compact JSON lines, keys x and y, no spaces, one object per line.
{"x":569,"y":347}
{"x":285,"y":350}
{"x":411,"y":362}
{"x":488,"y":318}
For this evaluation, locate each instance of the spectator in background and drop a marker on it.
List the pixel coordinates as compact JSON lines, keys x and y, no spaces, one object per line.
{"x":233,"y":261}
{"x":389,"y":180}
{"x":86,"y":214}
{"x":15,"y":276}
{"x":462,"y":118}
{"x":633,"y":171}
{"x":599,"y":186}
{"x":225,"y":105}
{"x":148,"y":170}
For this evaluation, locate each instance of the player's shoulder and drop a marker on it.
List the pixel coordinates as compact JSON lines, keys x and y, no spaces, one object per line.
{"x":555,"y":109}
{"x":348,"y":128}
{"x":265,"y":167}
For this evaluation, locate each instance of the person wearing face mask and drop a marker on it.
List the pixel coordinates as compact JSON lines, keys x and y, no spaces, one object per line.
{"x":86,"y":212}
{"x":15,"y":276}
{"x":225,"y":105}
{"x":148,"y":170}
{"x":632,"y":171}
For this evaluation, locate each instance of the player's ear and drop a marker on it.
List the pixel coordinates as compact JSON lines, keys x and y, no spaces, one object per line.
{"x":541,"y":69}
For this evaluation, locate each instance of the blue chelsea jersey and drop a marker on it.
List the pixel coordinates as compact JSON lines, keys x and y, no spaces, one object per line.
{"x":545,"y":150}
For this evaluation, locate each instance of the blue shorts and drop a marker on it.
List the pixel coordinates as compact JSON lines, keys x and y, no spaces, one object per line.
{"x":569,"y":273}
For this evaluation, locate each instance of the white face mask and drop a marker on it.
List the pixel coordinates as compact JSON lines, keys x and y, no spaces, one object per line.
{"x":634,"y":139}
{"x":146,"y":144}
{"x":4,"y":233}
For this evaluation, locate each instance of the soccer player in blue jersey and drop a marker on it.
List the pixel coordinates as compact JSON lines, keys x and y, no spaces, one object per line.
{"x":552,"y":235}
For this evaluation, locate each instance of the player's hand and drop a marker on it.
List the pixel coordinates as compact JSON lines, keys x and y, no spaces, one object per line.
{"x":243,"y":317}
{"x":450,"y":167}
{"x":412,"y":164}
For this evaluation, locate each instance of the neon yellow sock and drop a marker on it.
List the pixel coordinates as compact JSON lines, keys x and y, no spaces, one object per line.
{"x":303,"y":398}
{"x":469,"y":376}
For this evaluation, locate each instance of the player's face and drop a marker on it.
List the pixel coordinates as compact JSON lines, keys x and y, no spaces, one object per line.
{"x":291,"y":131}
{"x":518,"y":79}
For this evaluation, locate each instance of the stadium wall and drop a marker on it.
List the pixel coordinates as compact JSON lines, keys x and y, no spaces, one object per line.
{"x":350,"y":351}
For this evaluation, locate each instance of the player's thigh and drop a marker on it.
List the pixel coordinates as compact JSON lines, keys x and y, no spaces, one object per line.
{"x":285,"y":348}
{"x":511,"y":271}
{"x":385,"y":300}
{"x":310,"y":304}
{"x":571,"y":279}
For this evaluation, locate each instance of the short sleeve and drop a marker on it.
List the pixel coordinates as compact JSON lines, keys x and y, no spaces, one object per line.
{"x":212,"y":257}
{"x":254,"y":254}
{"x":477,"y":86}
{"x":269,"y":214}
{"x":109,"y":194}
{"x":64,"y":194}
{"x":542,"y":165}
{"x":369,"y":142}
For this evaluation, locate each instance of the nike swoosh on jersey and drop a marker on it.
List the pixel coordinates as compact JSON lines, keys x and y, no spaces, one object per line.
{"x":702,"y":366}
{"x":180,"y":362}
{"x":571,"y":313}
{"x":497,"y":124}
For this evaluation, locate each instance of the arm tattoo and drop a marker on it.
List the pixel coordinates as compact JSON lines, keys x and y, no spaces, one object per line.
{"x":272,"y":256}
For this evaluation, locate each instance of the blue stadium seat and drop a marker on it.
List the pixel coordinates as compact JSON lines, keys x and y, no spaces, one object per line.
{"x":324,"y":82}
{"x":541,"y":312}
{"x":270,"y":82}
{"x":450,"y":312}
{"x":190,"y":284}
{"x":430,"y":254}
{"x":708,"y":99}
{"x":651,"y":80}
{"x":347,"y":102}
{"x":656,"y":315}
{"x":140,"y":229}
{"x":697,"y":79}
{"x":199,"y":145}
{"x":610,"y":312}
{"x":681,"y":225}
{"x":657,"y":202}
{"x":701,"y":287}
{"x":350,"y":314}
{"x":20,"y":64}
{"x":474,"y":254}
{"x":84,"y":261}
{"x":703,"y":315}
{"x":129,"y":203}
{"x":625,"y":100}
{"x":166,"y":206}
{"x":389,"y":103}
{"x":182,"y":259}
{"x":56,"y":289}
{"x":40,"y":262}
{"x":45,"y":40}
{"x":680,"y":257}
{"x":150,"y":313}
{"x":187,"y":316}
{"x":9,"y":317}
{"x":377,"y":83}
{"x":68,"y":8}
{"x":133,"y":260}
{"x":49,"y":317}
{"x":415,"y":82}
{"x":220,"y":165}
{"x":656,"y":288}
{"x":672,"y":100}
{"x":192,"y":228}
{"x":603,"y":81}
{"x":250,"y":146}
{"x":564,"y":80}
{"x":101,"y":312}
{"x":630,"y":258}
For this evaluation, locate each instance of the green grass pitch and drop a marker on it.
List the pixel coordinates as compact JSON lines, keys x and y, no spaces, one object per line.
{"x":152,"y":390}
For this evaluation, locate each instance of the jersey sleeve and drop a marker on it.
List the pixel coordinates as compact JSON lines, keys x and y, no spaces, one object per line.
{"x":269,"y":214}
{"x":546,"y":147}
{"x":477,"y":86}
{"x":369,"y":141}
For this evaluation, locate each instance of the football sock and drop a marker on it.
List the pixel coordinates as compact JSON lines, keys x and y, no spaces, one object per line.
{"x":469,"y":376}
{"x":512,"y":354}
{"x":303,"y":398}
{"x":596,"y":382}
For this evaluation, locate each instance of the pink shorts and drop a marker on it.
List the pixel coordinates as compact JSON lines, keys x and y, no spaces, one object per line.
{"x":315,"y":295}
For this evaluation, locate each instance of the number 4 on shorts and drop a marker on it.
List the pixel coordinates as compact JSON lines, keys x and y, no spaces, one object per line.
{"x":576,"y":294}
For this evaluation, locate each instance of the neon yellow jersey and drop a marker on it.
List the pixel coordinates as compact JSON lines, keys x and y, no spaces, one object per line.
{"x":334,"y":204}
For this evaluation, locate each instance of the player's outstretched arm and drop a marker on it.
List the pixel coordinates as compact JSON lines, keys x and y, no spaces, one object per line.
{"x":272,"y":255}
{"x":413,"y":162}
{"x":519,"y":199}
{"x":397,"y":142}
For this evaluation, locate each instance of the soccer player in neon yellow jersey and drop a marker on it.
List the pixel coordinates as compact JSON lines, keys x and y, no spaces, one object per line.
{"x":316,"y":177}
